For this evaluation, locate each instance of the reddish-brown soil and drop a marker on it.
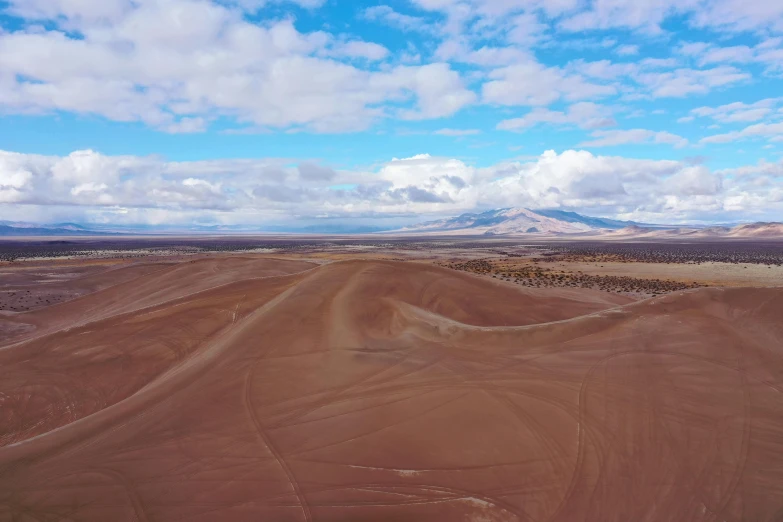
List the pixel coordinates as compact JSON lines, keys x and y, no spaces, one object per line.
{"x":248,"y":389}
{"x":37,"y":286}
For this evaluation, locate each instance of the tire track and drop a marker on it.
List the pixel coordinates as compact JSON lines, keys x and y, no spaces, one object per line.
{"x":271,"y":446}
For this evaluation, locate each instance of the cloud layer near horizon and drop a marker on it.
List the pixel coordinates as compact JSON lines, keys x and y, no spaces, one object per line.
{"x":86,"y":185}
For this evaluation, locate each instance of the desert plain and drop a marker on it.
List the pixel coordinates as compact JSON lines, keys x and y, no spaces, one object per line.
{"x":381,"y":380}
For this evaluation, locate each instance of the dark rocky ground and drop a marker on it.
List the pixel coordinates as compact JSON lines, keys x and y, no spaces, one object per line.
{"x":738,"y":251}
{"x":538,"y":276}
{"x":727,"y":251}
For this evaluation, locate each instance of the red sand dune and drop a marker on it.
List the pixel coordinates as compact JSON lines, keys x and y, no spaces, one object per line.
{"x":249,"y":390}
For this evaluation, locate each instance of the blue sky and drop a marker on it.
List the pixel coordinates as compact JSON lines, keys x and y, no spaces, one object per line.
{"x":270,"y":112}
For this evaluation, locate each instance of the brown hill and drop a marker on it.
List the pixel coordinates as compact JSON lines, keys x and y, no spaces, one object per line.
{"x":390,"y":391}
{"x":758,"y":230}
{"x":751,"y":230}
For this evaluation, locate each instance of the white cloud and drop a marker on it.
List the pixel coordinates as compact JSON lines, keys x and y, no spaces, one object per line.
{"x":603,"y":69}
{"x":644,"y":14}
{"x":457,"y":50}
{"x":196,"y":182}
{"x":740,"y":15}
{"x":608,"y":185}
{"x":627,"y":50}
{"x":534,"y":84}
{"x":82,"y":10}
{"x":759,"y":130}
{"x":313,"y":172}
{"x":525,"y":29}
{"x":112,"y":10}
{"x":684,"y":82}
{"x":87,"y":184}
{"x":177,"y":64}
{"x":586,"y":115}
{"x":429,"y":182}
{"x":15,"y":179}
{"x":186,"y":125}
{"x":496,"y":8}
{"x":387,"y":15}
{"x":608,"y":138}
{"x":735,"y":54}
{"x":528,"y":82}
{"x":659,"y":63}
{"x":440,"y":91}
{"x":458,"y":132}
{"x":738,"y":111}
{"x":767,"y":52}
{"x":731,"y":15}
{"x":695,"y":181}
{"x":693,"y":48}
{"x":358,"y":49}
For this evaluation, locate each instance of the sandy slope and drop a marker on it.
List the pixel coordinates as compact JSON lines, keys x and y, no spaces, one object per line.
{"x":138,"y":286}
{"x":388,"y":391}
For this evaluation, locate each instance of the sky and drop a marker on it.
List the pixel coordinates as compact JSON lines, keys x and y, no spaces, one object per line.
{"x":286,"y":113}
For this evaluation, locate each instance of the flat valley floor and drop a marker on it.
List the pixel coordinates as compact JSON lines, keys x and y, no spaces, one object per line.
{"x":260,"y":388}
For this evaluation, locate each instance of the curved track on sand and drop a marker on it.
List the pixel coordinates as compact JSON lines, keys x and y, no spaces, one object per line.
{"x":246,"y":389}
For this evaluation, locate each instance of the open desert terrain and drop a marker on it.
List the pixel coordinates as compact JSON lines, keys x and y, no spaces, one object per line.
{"x":390,"y":382}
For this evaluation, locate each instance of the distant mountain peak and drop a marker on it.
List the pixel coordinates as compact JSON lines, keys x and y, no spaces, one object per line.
{"x":557,"y":222}
{"x":511,"y":221}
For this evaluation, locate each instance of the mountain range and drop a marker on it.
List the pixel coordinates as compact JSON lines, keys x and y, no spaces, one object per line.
{"x":22,"y":229}
{"x":14,"y":228}
{"x":548,"y":222}
{"x":513,"y":221}
{"x":498,"y":222}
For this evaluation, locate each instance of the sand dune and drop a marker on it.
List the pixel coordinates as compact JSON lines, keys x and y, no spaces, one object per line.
{"x":138,"y":286}
{"x":249,"y":390}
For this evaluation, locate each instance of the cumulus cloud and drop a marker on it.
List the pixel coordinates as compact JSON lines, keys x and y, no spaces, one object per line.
{"x":112,"y":10}
{"x":440,"y":90}
{"x":627,"y":50}
{"x":732,"y":15}
{"x":175,"y":65}
{"x":178,"y":66}
{"x":766,"y":52}
{"x":459,"y":50}
{"x":458,"y":132}
{"x":608,"y":138}
{"x":759,"y":130}
{"x":86,"y":184}
{"x":738,"y":111}
{"x":387,"y":15}
{"x":684,"y":82}
{"x":526,"y":29}
{"x":495,"y":9}
{"x":532,"y":83}
{"x":585,"y":115}
{"x":604,"y":69}
{"x":359,"y":49}
{"x":186,"y":125}
{"x":735,"y":54}
{"x":313,"y":172}
{"x":622,"y":187}
{"x":740,"y":15}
